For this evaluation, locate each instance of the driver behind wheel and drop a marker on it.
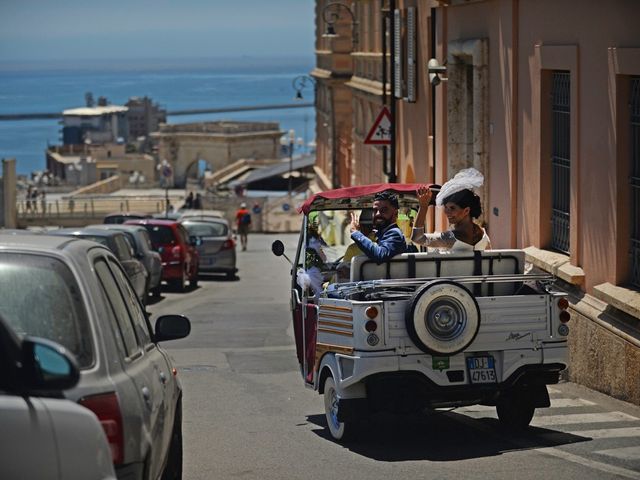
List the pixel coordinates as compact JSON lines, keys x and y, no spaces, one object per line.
{"x":390,"y":239}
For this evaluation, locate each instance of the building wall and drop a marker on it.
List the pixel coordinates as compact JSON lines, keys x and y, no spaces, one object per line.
{"x":598,"y":216}
{"x":183,"y":149}
{"x":527,"y":40}
{"x":414,"y":122}
{"x":333,"y":100}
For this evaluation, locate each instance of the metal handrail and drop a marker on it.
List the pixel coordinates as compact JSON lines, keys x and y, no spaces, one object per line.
{"x":415,"y":282}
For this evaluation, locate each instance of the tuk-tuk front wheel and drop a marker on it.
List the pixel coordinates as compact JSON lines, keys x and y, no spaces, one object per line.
{"x":340,"y":431}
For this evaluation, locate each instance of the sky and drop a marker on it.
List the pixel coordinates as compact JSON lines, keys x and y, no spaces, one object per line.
{"x":49,"y":30}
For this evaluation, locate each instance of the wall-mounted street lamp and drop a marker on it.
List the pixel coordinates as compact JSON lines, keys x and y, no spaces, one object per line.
{"x":300,"y":83}
{"x":436,"y":72}
{"x":331,"y":14}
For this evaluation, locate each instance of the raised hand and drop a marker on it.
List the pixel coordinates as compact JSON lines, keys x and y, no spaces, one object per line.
{"x":355,"y":223}
{"x":424,"y":196}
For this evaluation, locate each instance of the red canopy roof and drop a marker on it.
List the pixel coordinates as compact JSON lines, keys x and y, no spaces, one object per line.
{"x":322,"y":200}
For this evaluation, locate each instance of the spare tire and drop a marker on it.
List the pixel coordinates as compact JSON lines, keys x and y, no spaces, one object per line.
{"x":443,"y":318}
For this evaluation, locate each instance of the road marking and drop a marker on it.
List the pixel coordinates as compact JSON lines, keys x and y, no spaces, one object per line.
{"x":603,"y":467}
{"x":570,"y":402}
{"x":573,"y":418}
{"x":561,"y":454}
{"x":626,"y":453}
{"x":555,"y":403}
{"x":608,"y":433}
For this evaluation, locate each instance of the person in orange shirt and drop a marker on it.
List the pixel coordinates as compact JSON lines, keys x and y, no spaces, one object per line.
{"x":243,"y":224}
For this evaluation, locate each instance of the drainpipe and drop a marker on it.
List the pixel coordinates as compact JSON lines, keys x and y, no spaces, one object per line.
{"x":385,"y":19}
{"x":392,"y":167}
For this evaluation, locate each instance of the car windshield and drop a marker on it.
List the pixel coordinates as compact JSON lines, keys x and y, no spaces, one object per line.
{"x":206,"y":229}
{"x":160,"y":235}
{"x":39,"y":296}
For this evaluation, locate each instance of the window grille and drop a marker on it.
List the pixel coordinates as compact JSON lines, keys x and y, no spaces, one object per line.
{"x":397,"y":53}
{"x":634,"y":181}
{"x":560,"y":160}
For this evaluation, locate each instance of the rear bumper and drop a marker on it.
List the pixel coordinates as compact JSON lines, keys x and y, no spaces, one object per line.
{"x":172,"y":270}
{"x":222,"y":263}
{"x":407,"y":392}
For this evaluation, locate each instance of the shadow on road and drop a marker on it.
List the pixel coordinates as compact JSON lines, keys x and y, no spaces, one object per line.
{"x":441,"y":437}
{"x":213,"y":277}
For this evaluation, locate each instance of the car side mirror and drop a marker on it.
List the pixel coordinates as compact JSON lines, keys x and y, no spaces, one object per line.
{"x":195,"y":241}
{"x":277,"y":248}
{"x":48,"y":365}
{"x":171,"y":327}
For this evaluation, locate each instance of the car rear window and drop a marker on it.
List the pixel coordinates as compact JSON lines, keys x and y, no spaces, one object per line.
{"x":39,"y":296}
{"x":206,"y":229}
{"x":160,"y":235}
{"x":95,"y":238}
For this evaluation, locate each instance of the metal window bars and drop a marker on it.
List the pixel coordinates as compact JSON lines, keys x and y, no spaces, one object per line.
{"x":634,"y":182}
{"x":561,"y":160}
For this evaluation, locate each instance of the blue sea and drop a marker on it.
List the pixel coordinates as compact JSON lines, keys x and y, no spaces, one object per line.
{"x":174,"y":84}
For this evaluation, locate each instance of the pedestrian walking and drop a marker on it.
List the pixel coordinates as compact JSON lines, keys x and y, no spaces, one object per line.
{"x":188,"y":202}
{"x":28,"y":198}
{"x":34,"y":200}
{"x":43,"y":202}
{"x":243,"y":224}
{"x":197,"y":202}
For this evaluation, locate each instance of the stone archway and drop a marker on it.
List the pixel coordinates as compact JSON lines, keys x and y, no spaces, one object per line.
{"x":218,"y":143}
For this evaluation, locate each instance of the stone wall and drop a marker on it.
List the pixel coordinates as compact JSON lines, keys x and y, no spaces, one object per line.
{"x":8,"y":194}
{"x":602,"y":359}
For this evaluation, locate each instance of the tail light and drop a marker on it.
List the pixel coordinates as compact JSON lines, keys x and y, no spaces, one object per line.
{"x":565,"y":316}
{"x":176,"y":252}
{"x":228,"y":244}
{"x":371,"y":326}
{"x":107,"y":408}
{"x":371,"y":312}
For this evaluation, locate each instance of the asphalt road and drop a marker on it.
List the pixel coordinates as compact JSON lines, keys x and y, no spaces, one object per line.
{"x":247,"y":414}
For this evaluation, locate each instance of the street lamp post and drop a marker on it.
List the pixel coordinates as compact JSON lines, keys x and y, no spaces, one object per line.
{"x":290,"y":142}
{"x":300,"y":83}
{"x":166,"y":171}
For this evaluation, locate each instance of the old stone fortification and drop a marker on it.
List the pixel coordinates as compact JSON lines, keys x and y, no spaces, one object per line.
{"x":217,"y":143}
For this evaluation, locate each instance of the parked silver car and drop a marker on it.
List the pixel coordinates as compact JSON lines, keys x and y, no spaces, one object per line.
{"x":215,"y":245}
{"x":142,"y":250}
{"x":76,"y":293}
{"x":65,"y":439}
{"x":121,"y":246}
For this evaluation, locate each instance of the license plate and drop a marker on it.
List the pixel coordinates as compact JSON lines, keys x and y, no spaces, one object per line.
{"x":481,"y":369}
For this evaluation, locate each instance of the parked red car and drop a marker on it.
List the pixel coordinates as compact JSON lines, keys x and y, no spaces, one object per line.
{"x":180,"y":259}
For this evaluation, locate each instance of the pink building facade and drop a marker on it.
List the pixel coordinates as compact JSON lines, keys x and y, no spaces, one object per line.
{"x":545,"y":101}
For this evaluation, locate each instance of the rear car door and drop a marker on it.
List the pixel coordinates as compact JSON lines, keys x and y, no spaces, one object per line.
{"x":148,"y":369}
{"x":134,"y":268}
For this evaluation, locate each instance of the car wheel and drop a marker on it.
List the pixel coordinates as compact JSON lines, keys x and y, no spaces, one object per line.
{"x":340,"y":431}
{"x":181,"y":283}
{"x":514,"y":413}
{"x":173,"y":468}
{"x":193,"y":282}
{"x":156,"y":291}
{"x":443,"y":318}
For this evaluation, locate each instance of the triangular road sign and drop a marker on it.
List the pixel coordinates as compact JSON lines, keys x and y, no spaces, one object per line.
{"x":380,"y":133}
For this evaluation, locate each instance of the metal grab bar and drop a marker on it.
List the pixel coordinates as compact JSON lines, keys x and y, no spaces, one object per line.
{"x":345,"y":288}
